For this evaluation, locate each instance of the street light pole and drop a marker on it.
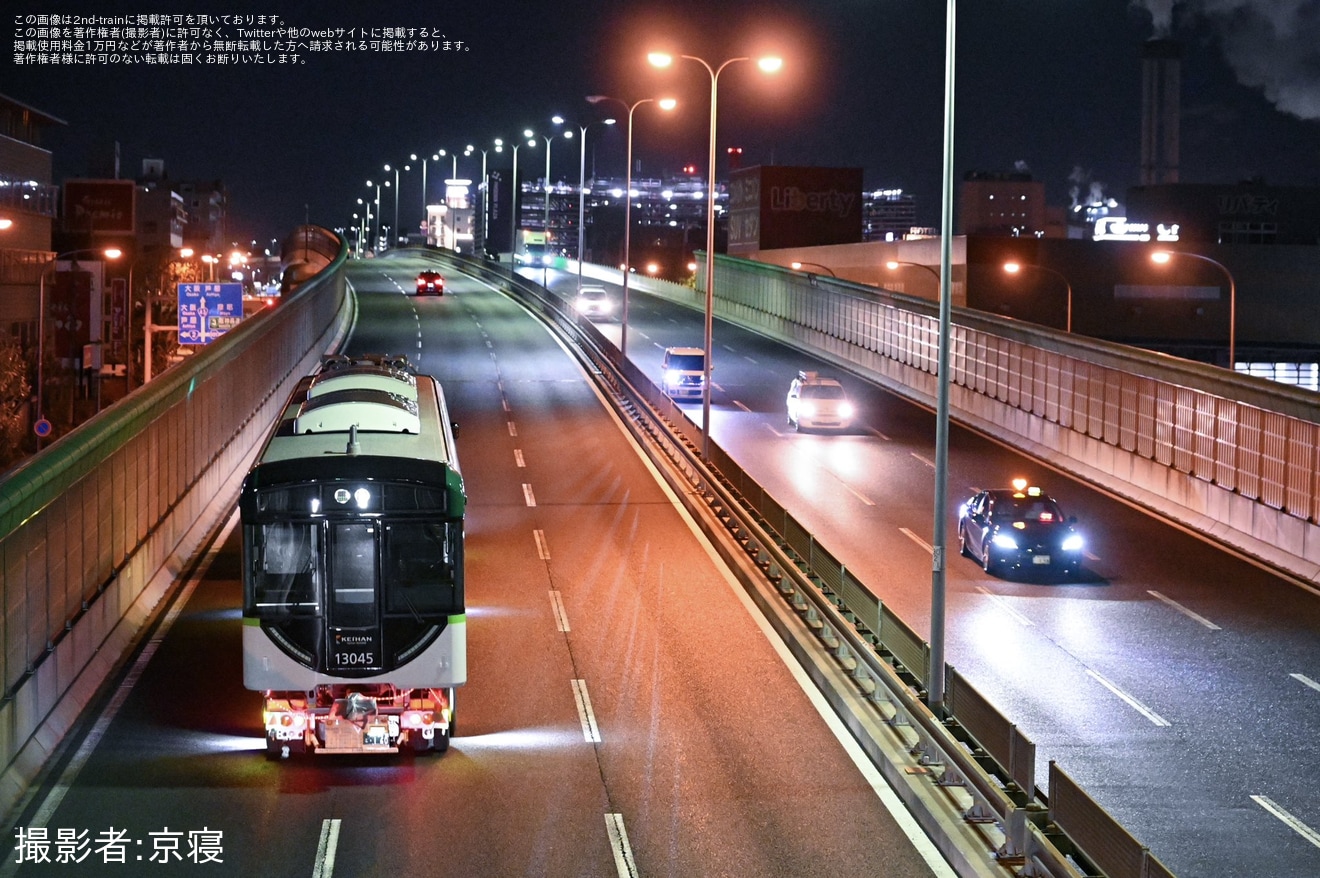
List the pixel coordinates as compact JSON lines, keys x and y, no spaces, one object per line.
{"x":485,"y":190}
{"x":895,"y":263}
{"x":545,"y":223}
{"x":1163,"y":256}
{"x":767,"y":65}
{"x":434,"y":157}
{"x":664,"y":104}
{"x":375,"y":239}
{"x":797,"y":266}
{"x":396,"y":202}
{"x":1015,"y":267}
{"x":939,"y":536}
{"x":582,"y":190}
{"x":517,"y":197}
{"x":449,"y":207}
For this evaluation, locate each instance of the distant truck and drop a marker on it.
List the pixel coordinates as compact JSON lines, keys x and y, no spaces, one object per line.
{"x":532,"y":249}
{"x":683,"y":373}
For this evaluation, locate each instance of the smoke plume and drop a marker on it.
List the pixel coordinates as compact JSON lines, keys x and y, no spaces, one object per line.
{"x":1272,"y":45}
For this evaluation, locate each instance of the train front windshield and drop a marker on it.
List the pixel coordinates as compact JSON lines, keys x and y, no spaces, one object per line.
{"x":356,"y":571}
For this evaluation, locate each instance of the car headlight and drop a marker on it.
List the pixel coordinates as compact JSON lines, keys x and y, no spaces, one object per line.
{"x":846,"y":410}
{"x":1004,"y":541}
{"x":1072,"y":543}
{"x":807,"y":408}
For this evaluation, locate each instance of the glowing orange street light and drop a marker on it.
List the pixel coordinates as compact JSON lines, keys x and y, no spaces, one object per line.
{"x":1162,"y":257}
{"x":798,"y":266}
{"x":1016,"y":267}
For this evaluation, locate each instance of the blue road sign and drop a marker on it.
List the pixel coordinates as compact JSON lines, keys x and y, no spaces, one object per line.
{"x":207,"y":311}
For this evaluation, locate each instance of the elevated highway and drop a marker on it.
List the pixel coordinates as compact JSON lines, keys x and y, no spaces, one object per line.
{"x":62,"y":628}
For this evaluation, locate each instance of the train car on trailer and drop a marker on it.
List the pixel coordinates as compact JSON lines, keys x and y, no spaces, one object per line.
{"x":354,"y":626}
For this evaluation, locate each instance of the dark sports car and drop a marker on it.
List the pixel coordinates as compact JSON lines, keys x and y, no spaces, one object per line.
{"x":1021,"y":528}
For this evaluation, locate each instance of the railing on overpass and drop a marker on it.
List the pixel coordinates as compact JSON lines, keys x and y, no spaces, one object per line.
{"x":1229,"y":455}
{"x":87,"y":524}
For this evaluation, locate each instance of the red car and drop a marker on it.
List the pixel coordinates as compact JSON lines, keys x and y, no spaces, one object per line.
{"x":430,"y":282}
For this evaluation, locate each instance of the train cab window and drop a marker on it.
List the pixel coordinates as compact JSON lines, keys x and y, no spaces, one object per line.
{"x":421,"y":566}
{"x":353,"y":593}
{"x":286,"y":574}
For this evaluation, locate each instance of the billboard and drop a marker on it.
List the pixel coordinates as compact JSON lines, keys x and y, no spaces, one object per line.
{"x":776,"y":206}
{"x":99,"y":206}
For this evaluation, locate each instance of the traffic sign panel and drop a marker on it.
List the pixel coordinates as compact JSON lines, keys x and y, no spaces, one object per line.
{"x":208,"y":310}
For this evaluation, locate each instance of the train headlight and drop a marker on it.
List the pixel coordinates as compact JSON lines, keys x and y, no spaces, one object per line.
{"x":362,"y":497}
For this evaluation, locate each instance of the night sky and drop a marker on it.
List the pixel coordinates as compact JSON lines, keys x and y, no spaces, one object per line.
{"x":1052,"y":85}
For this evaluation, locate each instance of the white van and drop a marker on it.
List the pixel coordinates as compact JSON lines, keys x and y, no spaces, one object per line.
{"x":683,"y":374}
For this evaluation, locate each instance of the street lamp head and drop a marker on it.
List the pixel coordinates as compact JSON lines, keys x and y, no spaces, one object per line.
{"x":660,"y":59}
{"x":1160,"y":256}
{"x":608,"y":121}
{"x":387,"y":167}
{"x":113,"y":252}
{"x":770,"y":64}
{"x":528,"y":133}
{"x":412,"y":156}
{"x":557,"y":119}
{"x":667,"y":103}
{"x":1012,"y":267}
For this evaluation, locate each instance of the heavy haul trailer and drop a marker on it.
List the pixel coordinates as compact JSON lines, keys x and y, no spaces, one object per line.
{"x":354,"y":626}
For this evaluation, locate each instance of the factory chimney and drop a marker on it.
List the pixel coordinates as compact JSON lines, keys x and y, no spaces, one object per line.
{"x":1161,"y":72}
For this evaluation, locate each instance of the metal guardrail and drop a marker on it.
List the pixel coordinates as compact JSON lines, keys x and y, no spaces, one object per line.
{"x":973,"y":753}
